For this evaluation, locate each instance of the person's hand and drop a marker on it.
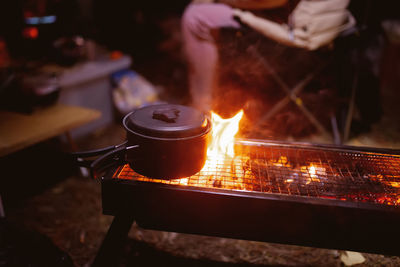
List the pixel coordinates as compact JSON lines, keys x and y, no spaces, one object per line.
{"x":242,"y":16}
{"x":278,"y":32}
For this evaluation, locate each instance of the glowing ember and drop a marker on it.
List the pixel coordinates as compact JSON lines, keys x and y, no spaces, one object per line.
{"x":382,"y":179}
{"x":312,"y":173}
{"x":282,"y":162}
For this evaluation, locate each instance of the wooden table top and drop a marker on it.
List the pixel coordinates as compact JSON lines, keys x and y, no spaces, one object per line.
{"x":18,"y":131}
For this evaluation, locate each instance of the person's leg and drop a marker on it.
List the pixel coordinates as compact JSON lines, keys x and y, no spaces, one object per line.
{"x":198,"y":22}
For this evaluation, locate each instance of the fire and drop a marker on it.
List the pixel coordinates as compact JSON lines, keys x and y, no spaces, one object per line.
{"x":221,"y":155}
{"x":275,"y":171}
{"x":312,"y":173}
{"x":385,"y":180}
{"x":282,"y":162}
{"x":223,"y":135}
{"x":224,"y":169}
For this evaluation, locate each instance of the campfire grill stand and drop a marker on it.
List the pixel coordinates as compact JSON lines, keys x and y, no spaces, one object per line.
{"x":322,"y":220}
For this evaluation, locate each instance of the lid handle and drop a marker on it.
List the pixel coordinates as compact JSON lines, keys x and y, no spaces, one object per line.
{"x":166,"y":114}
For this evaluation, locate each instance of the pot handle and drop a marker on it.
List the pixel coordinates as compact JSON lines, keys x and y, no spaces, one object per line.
{"x":111,"y":158}
{"x":97,"y":152}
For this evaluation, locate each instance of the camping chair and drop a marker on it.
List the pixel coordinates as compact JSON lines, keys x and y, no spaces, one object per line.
{"x":314,"y":25}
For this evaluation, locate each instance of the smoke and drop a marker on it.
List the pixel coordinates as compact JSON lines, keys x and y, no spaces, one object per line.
{"x":245,"y":83}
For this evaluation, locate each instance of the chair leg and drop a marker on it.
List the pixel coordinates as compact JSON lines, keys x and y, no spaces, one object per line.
{"x":113,"y":243}
{"x":296,"y":90}
{"x":312,"y":118}
{"x":335,"y":130}
{"x":2,"y":213}
{"x":350,"y":112}
{"x":291,"y":94}
{"x":275,"y":109}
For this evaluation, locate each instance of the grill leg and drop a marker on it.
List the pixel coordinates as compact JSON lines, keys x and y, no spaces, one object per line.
{"x":2,"y":213}
{"x":110,"y":250}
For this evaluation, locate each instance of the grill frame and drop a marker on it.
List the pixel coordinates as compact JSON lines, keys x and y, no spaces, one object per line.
{"x":339,"y":174}
{"x":237,"y":215}
{"x":277,"y":218}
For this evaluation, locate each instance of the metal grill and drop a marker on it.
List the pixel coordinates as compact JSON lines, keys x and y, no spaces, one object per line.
{"x":340,"y":174}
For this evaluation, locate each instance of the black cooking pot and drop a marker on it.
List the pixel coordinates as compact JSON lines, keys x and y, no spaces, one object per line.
{"x":163,"y":141}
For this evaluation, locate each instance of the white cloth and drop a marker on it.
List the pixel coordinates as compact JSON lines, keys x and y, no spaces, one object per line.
{"x":318,"y":22}
{"x":312,"y":24}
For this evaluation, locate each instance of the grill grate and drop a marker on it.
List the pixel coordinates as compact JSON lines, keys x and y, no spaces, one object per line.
{"x":324,"y":173}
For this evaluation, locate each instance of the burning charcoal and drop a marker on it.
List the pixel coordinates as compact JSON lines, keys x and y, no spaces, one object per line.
{"x":217,"y":183}
{"x":359,"y":169}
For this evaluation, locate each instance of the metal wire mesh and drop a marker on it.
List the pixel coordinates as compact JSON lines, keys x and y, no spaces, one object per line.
{"x":343,"y":175}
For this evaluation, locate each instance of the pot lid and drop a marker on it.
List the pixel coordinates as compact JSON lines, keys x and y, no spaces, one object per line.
{"x":167,"y":121}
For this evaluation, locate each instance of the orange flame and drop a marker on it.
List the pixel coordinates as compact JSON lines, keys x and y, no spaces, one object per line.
{"x":387,"y":181}
{"x":223,"y":135}
{"x":312,"y":173}
{"x":221,"y":155}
